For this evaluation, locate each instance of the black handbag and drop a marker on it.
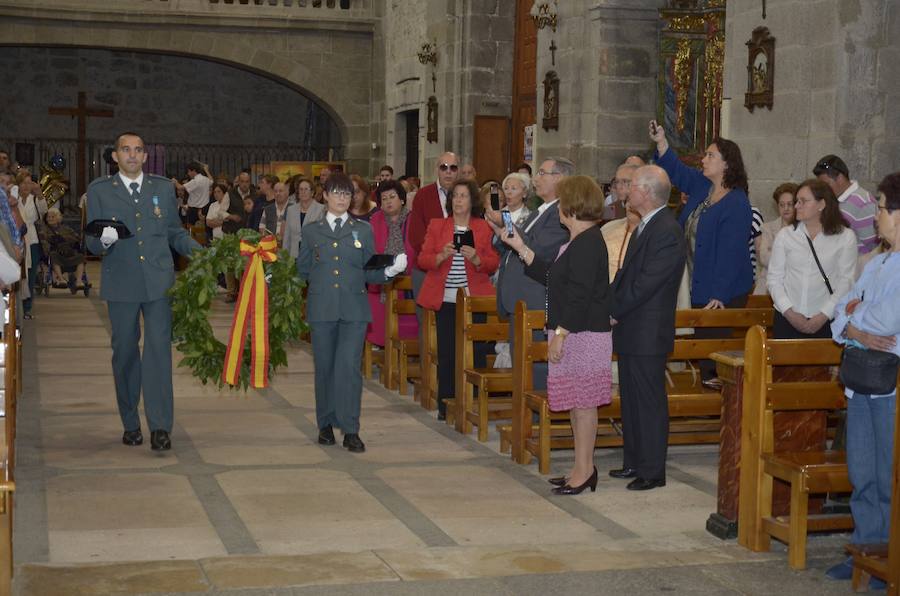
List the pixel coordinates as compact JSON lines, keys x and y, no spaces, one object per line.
{"x":869,"y":372}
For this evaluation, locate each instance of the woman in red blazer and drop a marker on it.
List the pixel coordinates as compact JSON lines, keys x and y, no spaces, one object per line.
{"x":449,"y":268}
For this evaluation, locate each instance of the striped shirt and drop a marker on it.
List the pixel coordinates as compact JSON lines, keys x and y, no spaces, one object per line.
{"x":859,"y":210}
{"x":755,"y":231}
{"x":456,"y":277}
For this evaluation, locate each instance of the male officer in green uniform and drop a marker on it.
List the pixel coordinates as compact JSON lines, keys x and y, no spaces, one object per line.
{"x":137,"y":274}
{"x":332,"y":257}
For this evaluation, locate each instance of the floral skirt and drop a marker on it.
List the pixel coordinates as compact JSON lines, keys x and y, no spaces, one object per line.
{"x":583,"y":377}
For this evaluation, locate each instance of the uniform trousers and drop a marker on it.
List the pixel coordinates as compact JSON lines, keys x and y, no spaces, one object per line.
{"x":337,"y":351}
{"x":150,"y":371}
{"x":645,"y":414}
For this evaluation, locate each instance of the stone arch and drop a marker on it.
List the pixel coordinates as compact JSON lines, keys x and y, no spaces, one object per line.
{"x":265,"y":53}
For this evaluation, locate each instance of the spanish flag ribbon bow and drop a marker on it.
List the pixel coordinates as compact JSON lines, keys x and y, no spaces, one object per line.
{"x":252,"y":305}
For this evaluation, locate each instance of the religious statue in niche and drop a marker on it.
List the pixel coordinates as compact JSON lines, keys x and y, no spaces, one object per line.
{"x":432,"y":129}
{"x":760,"y":70}
{"x":551,"y":101}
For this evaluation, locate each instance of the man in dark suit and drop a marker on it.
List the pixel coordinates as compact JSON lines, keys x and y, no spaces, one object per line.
{"x":543,"y":234}
{"x":137,"y":274}
{"x":645,"y":290}
{"x":429,"y":203}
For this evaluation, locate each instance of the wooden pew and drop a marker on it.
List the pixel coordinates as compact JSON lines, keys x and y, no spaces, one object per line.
{"x":372,"y":356}
{"x":759,"y":301}
{"x":488,"y":381}
{"x":10,"y":391}
{"x":882,"y":560}
{"x":694,"y":410}
{"x":401,"y":355}
{"x":807,"y":472}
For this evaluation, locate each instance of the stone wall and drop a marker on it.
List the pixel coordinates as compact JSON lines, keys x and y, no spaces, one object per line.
{"x":837,"y":90}
{"x":473,"y":74}
{"x":331,"y":58}
{"x":607,"y":64}
{"x":169,"y":99}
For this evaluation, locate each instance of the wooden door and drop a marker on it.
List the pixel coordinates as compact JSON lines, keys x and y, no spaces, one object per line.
{"x":524,"y":104}
{"x":491,"y":159}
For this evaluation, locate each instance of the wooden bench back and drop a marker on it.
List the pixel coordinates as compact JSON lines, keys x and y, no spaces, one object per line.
{"x":527,"y":351}
{"x":763,"y":397}
{"x":468,"y":331}
{"x":398,"y":306}
{"x":739,"y":319}
{"x":759,"y":301}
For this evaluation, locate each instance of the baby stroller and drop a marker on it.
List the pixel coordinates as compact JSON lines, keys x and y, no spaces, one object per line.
{"x":63,"y":262}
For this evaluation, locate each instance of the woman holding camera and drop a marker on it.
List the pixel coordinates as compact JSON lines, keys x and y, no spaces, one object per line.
{"x":457,"y":253}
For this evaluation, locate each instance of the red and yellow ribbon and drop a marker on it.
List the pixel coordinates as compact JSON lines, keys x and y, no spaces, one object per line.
{"x":253,"y":306}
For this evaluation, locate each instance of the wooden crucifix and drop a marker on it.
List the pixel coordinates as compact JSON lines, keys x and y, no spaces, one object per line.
{"x":82,"y":112}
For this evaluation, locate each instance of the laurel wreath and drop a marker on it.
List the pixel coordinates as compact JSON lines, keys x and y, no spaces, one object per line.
{"x":192,"y":295}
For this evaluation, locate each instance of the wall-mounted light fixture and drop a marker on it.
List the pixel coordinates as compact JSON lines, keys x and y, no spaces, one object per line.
{"x":544,"y":14}
{"x":428,"y":54}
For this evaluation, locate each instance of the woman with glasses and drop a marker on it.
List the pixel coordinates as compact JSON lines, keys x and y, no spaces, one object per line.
{"x":812,"y":264}
{"x":456,"y":253}
{"x":717,"y":222}
{"x":784,"y":197}
{"x":868,"y":316}
{"x":332,"y":258}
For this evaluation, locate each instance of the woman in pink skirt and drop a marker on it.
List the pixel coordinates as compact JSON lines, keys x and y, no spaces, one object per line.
{"x":578,"y":308}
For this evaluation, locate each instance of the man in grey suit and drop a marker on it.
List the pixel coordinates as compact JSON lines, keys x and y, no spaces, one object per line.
{"x":332,"y":260}
{"x":137,"y":274}
{"x":645,"y":291}
{"x":543,"y":234}
{"x":280,"y":215}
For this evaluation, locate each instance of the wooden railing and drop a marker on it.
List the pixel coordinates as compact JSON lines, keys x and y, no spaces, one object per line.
{"x":11,"y":362}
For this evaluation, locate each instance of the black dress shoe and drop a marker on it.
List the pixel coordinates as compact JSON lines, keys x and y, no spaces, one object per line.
{"x":159,"y":440}
{"x":326,"y":436}
{"x":558,"y":481}
{"x":132,"y":437}
{"x":353,"y":443}
{"x":623,"y":473}
{"x":644,"y":484}
{"x":566,"y":489}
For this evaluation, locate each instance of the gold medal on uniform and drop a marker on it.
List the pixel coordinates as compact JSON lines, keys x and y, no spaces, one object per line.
{"x":156,"y":210}
{"x":356,"y":241}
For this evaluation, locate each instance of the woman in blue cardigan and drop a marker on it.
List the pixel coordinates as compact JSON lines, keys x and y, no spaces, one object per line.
{"x":717,"y":221}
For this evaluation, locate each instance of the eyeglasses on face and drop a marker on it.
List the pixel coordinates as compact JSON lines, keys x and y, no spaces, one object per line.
{"x":448,"y":166}
{"x":343,"y":194}
{"x":546,"y":173}
{"x":623,"y":182}
{"x":803,"y":201}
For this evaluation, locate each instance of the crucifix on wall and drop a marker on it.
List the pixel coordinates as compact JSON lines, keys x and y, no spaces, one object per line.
{"x":82,"y":112}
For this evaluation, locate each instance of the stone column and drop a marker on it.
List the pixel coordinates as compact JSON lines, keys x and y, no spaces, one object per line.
{"x":607,"y":65}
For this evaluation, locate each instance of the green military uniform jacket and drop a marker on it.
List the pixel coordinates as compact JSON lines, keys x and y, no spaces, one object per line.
{"x":332,"y":264}
{"x":139,"y":268}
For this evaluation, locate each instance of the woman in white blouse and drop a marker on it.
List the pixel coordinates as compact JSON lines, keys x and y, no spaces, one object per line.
{"x":804,"y":292}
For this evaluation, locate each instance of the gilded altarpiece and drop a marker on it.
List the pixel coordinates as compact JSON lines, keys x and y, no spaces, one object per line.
{"x":691,"y":58}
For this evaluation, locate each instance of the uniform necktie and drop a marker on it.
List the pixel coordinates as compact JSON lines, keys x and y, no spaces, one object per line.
{"x":337,"y":225}
{"x":134,"y":189}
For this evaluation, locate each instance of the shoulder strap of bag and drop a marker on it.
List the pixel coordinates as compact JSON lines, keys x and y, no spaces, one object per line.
{"x":819,"y":265}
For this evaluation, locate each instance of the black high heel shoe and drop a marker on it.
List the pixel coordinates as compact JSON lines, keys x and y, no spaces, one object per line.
{"x":558,"y":481}
{"x":577,"y":490}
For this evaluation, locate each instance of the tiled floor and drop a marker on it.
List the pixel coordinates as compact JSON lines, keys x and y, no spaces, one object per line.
{"x":248,"y":500}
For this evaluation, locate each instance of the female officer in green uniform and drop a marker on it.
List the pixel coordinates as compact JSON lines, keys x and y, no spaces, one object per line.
{"x":332,"y":257}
